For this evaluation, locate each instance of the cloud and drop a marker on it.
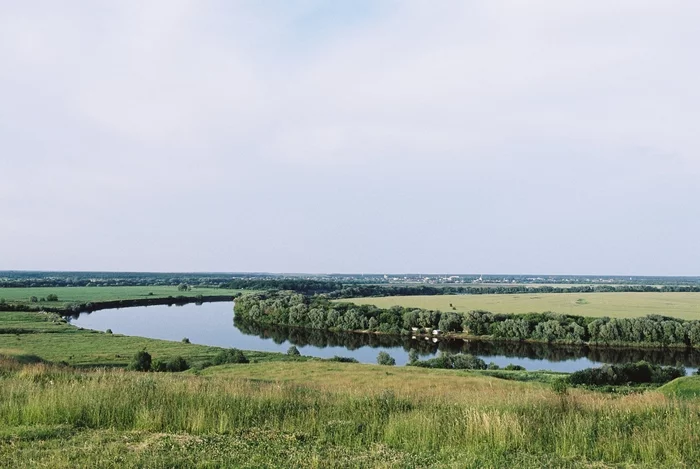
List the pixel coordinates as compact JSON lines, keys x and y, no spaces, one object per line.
{"x":330,"y":123}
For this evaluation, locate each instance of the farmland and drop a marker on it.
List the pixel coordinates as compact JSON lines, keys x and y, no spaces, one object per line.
{"x":71,"y":295}
{"x":621,"y":305}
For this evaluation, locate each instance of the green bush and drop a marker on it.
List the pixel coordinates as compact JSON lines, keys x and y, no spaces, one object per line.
{"x":108,"y":331}
{"x":293,"y":351}
{"x":232,"y":355}
{"x":52,"y":297}
{"x":342,"y":359}
{"x":141,"y":362}
{"x":512,"y":367}
{"x":185,"y":340}
{"x":449,"y":361}
{"x":385,"y":359}
{"x":628,"y":373}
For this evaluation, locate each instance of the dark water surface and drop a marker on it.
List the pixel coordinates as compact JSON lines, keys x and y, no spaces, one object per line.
{"x":213,"y":324}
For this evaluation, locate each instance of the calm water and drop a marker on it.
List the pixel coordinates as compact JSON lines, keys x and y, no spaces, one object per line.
{"x":213,"y":324}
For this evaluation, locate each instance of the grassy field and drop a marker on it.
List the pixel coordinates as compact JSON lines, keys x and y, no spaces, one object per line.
{"x":69,"y":295}
{"x":330,"y":415}
{"x":50,"y":338}
{"x":680,"y":305}
{"x":283,"y":412}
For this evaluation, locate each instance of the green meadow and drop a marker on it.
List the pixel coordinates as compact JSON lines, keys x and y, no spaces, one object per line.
{"x":67,"y":401}
{"x":71,"y":295}
{"x":620,"y":305}
{"x":326,"y":415}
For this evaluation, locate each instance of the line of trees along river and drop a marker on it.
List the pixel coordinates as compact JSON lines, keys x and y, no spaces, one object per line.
{"x":302,"y":337}
{"x":317,"y":312}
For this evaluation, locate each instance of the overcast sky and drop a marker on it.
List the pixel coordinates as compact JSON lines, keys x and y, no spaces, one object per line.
{"x":351,"y":136}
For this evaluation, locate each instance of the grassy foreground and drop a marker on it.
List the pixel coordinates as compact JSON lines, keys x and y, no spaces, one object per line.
{"x":243,"y":416}
{"x":617,"y":305}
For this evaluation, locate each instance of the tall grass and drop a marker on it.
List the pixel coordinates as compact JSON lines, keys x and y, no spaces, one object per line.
{"x":491,"y":427}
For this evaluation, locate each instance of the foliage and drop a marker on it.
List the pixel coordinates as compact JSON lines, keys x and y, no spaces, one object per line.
{"x":384,"y":358}
{"x":185,"y":340}
{"x":449,"y":361}
{"x":628,"y":373}
{"x":232,"y":355}
{"x":141,"y":362}
{"x":293,"y":351}
{"x":336,"y":358}
{"x":294,"y":309}
{"x":52,"y":297}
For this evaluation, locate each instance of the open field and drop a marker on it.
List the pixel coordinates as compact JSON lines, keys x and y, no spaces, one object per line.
{"x":680,"y":305}
{"x":297,"y":412}
{"x":338,"y":415}
{"x":49,"y":337}
{"x":69,"y":295}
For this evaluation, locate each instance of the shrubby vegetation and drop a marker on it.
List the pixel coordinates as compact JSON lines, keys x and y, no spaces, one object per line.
{"x":342,"y":359}
{"x":232,"y":355}
{"x":384,"y":358}
{"x":141,"y":362}
{"x":317,"y":312}
{"x":626,"y":374}
{"x":451,"y":361}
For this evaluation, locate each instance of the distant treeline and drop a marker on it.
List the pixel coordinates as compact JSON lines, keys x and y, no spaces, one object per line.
{"x":314,"y":312}
{"x":338,"y":290}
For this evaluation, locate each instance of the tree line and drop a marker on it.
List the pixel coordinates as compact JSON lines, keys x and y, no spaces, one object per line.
{"x":317,"y":312}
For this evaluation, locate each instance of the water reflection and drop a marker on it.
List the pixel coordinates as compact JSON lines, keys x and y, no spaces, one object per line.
{"x":213,"y":324}
{"x":533,"y":351}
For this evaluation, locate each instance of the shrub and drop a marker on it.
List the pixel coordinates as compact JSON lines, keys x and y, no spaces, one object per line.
{"x":33,"y":299}
{"x":385,"y":359}
{"x":232,"y":355}
{"x":3,"y":301}
{"x":448,"y":361}
{"x":159,"y":366}
{"x":108,"y":331}
{"x":512,"y":367}
{"x":343,"y":359}
{"x":628,"y":373}
{"x":141,"y":362}
{"x":493,"y":366}
{"x":177,"y":364}
{"x":293,"y":351}
{"x":560,"y":386}
{"x":185,"y":340}
{"x":52,"y":297}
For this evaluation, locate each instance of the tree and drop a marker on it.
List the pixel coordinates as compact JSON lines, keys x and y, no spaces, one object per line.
{"x":385,"y":359}
{"x":293,"y":351}
{"x":33,"y":299}
{"x":185,"y":340}
{"x":141,"y":362}
{"x":183,"y":287}
{"x":51,"y":297}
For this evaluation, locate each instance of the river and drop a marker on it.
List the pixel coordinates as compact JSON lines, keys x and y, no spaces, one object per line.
{"x":213,"y":324}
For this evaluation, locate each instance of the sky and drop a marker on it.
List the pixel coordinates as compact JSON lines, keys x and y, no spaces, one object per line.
{"x":350,"y":136}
